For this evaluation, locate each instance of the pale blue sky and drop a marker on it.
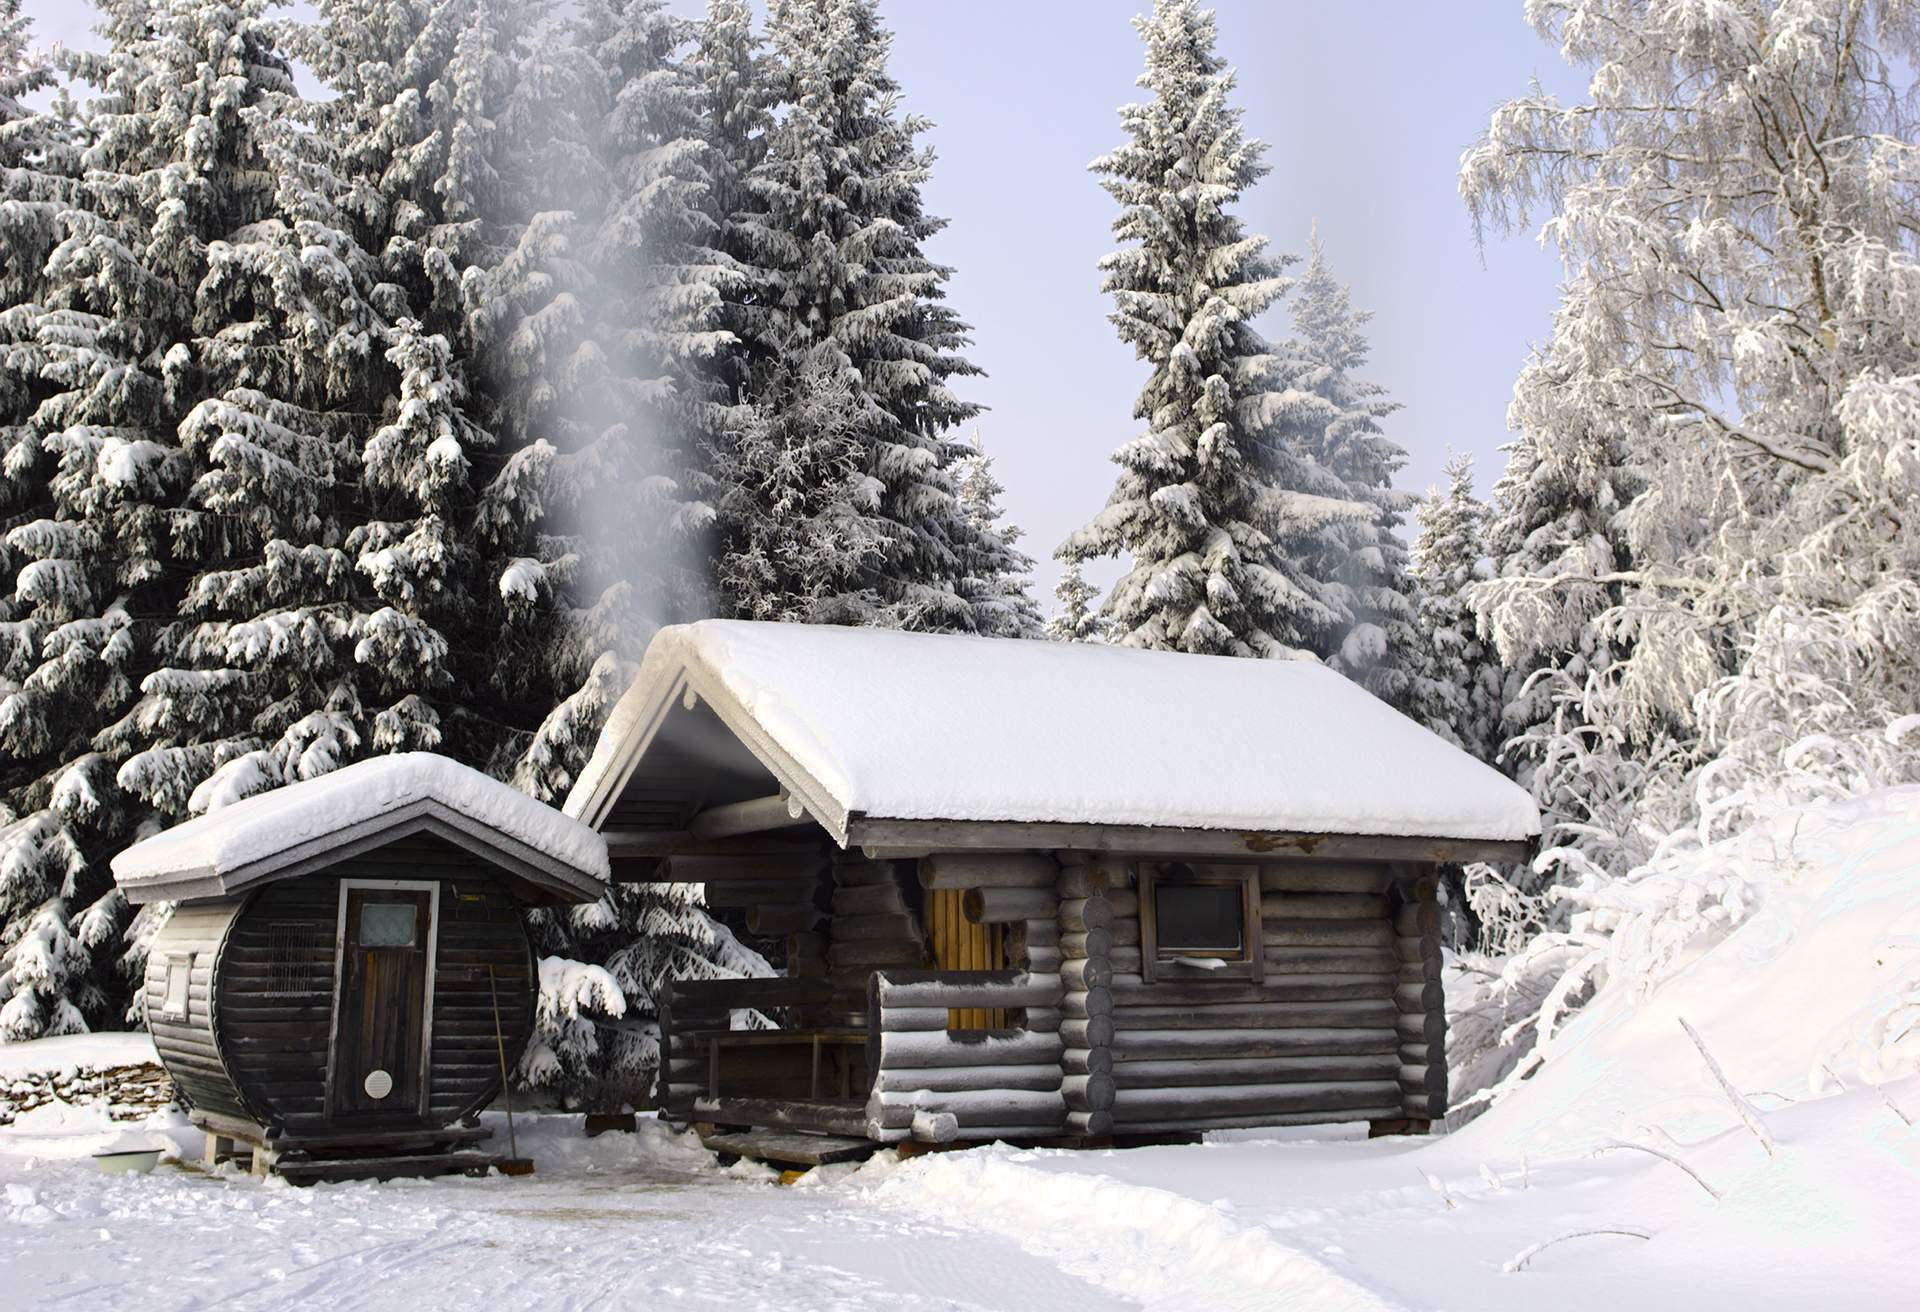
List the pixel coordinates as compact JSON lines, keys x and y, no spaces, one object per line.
{"x":1365,"y":108}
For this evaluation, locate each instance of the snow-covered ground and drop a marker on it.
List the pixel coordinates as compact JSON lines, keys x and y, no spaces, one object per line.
{"x":1803,"y":1004}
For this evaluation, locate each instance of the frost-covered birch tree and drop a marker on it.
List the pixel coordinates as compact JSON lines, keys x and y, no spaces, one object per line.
{"x":1220,"y":503}
{"x":1735,"y":207}
{"x":1364,"y":559}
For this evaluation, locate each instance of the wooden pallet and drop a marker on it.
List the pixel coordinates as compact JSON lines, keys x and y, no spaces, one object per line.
{"x":789,"y":1147}
{"x":298,"y":1169}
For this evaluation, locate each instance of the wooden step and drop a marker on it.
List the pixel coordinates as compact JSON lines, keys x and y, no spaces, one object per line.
{"x":820,"y":1115}
{"x":789,"y":1147}
{"x":297,"y":1170}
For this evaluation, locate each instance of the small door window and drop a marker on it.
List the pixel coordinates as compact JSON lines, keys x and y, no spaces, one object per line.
{"x":387,"y":924}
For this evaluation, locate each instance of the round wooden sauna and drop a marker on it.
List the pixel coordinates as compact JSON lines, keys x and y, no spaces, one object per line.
{"x":347,"y":971}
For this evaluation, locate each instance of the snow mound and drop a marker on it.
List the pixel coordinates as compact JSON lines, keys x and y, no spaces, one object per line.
{"x":268,"y":824}
{"x":1153,"y":1244}
{"x":1812,"y":984}
{"x":72,"y":1052}
{"x":916,"y":726}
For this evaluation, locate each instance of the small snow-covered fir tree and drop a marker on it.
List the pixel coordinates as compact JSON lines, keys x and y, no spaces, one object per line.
{"x":1364,"y":558}
{"x":1221,"y":503}
{"x":1456,"y":683}
{"x":1075,"y":618}
{"x":998,"y":580}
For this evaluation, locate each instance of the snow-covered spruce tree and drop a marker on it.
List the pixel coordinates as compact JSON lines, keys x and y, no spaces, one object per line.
{"x":1220,"y":504}
{"x":841,"y":241}
{"x":1735,"y":210}
{"x":1364,"y":559}
{"x":1074,"y":618}
{"x":998,"y":578}
{"x":800,"y":516}
{"x":284,"y":663}
{"x":103,"y":354}
{"x":1456,"y":681}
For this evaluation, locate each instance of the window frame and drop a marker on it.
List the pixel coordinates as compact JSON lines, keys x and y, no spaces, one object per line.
{"x":183,"y":962}
{"x":1247,"y":964}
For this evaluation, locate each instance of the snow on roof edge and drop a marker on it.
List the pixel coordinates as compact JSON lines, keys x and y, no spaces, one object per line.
{"x":1464,"y":799}
{"x":266,"y":825}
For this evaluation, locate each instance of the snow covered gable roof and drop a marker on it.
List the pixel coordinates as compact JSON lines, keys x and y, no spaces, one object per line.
{"x":305,"y":826}
{"x":859,"y":725}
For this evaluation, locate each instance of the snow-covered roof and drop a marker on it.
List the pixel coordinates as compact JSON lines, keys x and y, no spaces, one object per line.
{"x":303,"y":826}
{"x":863,"y":724}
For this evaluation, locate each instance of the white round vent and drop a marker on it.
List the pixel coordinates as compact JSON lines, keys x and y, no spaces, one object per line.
{"x":378,"y":1084}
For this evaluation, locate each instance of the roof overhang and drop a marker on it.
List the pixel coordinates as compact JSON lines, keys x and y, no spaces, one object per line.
{"x":540,"y":878}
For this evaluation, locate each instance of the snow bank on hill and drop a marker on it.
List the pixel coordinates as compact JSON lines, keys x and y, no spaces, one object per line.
{"x":71,"y":1052}
{"x":1817,"y":980}
{"x":1817,"y":976}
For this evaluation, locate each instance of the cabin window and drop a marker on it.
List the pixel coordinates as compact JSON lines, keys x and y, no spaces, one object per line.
{"x":173,"y":1000}
{"x":1201,"y":922}
{"x":299,"y":959}
{"x":387,"y":924}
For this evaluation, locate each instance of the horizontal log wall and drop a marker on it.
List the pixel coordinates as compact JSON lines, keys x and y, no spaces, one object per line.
{"x":185,"y":1044}
{"x":877,"y":924}
{"x":931,"y":1083}
{"x":1317,"y":1040}
{"x":1087,"y":913}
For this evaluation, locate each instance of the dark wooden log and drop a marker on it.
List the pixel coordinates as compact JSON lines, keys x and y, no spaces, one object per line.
{"x":1034,"y":933}
{"x":748,"y":893}
{"x":1205,"y":1073}
{"x":1131,"y":990}
{"x":1078,"y":915}
{"x":1315,"y":876}
{"x":1092,"y":1002}
{"x":773,"y":921}
{"x":877,"y":952}
{"x":1325,"y":906}
{"x":1174,"y":1045}
{"x":754,"y":816}
{"x":1428,"y":996}
{"x":1086,"y":1061}
{"x":1422,"y":1027}
{"x":875,"y":900}
{"x":896,"y":926}
{"x":1090,"y":1124}
{"x":1041,"y":1020}
{"x":1041,"y":961}
{"x":1087,"y":973}
{"x":1425,"y":1106}
{"x":913,"y":1018}
{"x":1086,"y":880}
{"x":965,"y":989}
{"x":950,"y":1079}
{"x":1258,"y":1120}
{"x":988,"y":870}
{"x":1282,"y":933}
{"x":1423,"y":1078}
{"x":998,"y":906}
{"x":691,"y":996}
{"x":1092,"y":943}
{"x":1088,"y":1093}
{"x":1366,"y":1014}
{"x":1261,"y":1099}
{"x":1416,"y":919}
{"x":866,"y":874}
{"x":1092,"y":1032}
{"x":976,"y":1048}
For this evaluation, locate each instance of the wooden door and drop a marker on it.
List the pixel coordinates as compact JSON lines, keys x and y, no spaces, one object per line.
{"x":380,"y":1037}
{"x":958,"y":944}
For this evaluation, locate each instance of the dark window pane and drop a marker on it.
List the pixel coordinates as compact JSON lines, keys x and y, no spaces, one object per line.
{"x":1198,"y":917}
{"x":386,"y":924}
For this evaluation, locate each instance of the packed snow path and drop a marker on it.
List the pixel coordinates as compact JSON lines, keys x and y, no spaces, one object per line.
{"x":644,"y":1221}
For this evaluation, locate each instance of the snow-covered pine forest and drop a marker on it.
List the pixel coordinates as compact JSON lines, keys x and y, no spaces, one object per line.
{"x":398,"y":411}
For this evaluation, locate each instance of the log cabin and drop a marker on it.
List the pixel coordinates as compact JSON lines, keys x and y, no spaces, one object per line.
{"x":346,"y":976}
{"x":1041,"y":891}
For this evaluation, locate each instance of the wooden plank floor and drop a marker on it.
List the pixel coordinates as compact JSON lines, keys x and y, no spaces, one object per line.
{"x":789,"y":1147}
